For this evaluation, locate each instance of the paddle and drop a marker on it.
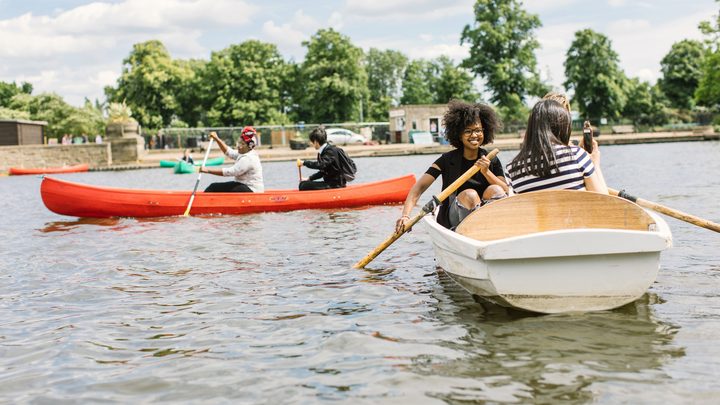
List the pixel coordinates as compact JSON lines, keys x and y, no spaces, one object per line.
{"x":299,"y":165}
{"x":692,"y":219}
{"x":428,"y":208}
{"x":192,"y":196}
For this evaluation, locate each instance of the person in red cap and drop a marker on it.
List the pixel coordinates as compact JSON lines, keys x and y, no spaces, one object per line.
{"x":247,"y":169}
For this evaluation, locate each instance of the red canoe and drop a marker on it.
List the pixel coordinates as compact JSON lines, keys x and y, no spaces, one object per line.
{"x":16,"y":171}
{"x":81,"y":200}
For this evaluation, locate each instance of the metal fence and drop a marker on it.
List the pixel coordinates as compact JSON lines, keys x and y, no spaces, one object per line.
{"x":269,"y":135}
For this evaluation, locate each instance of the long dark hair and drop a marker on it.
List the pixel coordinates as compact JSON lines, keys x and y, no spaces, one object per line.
{"x":549,"y":125}
{"x":460,"y":115}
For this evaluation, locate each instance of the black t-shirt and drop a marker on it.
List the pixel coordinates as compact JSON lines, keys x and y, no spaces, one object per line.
{"x":447,"y":163}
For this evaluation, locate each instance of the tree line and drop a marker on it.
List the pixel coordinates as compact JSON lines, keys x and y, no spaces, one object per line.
{"x":252,"y":83}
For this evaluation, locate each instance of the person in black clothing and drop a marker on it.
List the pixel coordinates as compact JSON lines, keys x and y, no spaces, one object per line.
{"x":186,"y":157}
{"x":327,"y":164}
{"x":467,"y":128}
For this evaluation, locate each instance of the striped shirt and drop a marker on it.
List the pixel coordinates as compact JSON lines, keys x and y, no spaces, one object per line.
{"x":574,"y":166}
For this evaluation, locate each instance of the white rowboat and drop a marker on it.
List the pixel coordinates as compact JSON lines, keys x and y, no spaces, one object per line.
{"x":554,"y":251}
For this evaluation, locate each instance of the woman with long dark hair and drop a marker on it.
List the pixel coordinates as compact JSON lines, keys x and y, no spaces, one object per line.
{"x":467,"y":128}
{"x":547,"y":161}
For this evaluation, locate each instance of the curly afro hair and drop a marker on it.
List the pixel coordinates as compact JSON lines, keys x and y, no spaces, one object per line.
{"x":461,"y":115}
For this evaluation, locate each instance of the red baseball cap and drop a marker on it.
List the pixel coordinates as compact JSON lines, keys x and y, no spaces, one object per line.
{"x":248,"y":133}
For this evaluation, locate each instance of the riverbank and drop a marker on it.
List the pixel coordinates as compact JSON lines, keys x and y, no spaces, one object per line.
{"x":153,"y":157}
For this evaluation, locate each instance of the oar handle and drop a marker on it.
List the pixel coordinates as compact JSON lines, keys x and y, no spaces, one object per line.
{"x":197,"y":182}
{"x":427,"y":208}
{"x":683,"y":216}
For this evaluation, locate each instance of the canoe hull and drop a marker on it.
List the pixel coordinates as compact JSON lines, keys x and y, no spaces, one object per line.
{"x":80,"y":200}
{"x":557,"y":271}
{"x":217,"y":161}
{"x":16,"y":171}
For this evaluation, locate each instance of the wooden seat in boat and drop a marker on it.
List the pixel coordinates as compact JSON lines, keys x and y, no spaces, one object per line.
{"x":552,"y":210}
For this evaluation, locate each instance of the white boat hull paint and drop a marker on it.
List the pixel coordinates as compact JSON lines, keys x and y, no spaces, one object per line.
{"x":557,"y":271}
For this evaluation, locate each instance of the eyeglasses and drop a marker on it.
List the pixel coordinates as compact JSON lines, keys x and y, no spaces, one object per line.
{"x":476,"y":131}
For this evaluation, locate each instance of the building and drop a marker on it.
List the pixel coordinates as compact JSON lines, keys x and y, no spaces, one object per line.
{"x":420,"y":117}
{"x":22,"y":132}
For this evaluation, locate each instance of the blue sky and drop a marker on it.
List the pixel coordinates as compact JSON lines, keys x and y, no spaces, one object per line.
{"x":75,"y":47}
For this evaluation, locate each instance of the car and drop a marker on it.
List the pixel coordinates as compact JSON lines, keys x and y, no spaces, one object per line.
{"x":342,"y":136}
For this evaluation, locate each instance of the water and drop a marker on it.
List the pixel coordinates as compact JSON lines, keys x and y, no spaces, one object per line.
{"x":266,"y":308}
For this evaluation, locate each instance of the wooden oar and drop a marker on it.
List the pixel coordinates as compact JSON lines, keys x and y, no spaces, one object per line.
{"x":692,"y":219}
{"x":192,"y":196}
{"x":428,"y":208}
{"x":299,"y":165}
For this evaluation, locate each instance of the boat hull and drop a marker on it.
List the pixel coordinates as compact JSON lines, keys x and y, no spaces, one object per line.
{"x":80,"y":200}
{"x":210,"y":162}
{"x":16,"y":171}
{"x":555,"y":271}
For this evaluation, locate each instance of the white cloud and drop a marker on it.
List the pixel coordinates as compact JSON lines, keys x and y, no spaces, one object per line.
{"x":417,"y":49}
{"x":535,"y":6}
{"x":289,"y":36}
{"x":400,"y":10}
{"x":616,"y":3}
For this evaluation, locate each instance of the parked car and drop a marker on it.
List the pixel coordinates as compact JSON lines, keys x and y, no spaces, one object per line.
{"x":341,"y":136}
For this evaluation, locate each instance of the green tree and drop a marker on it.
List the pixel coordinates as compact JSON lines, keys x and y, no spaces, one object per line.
{"x":8,"y":90}
{"x":592,"y":72}
{"x":708,"y":89}
{"x":9,"y":114}
{"x":385,"y":71}
{"x":502,"y":50}
{"x":682,"y":70}
{"x":148,"y":84}
{"x":188,"y":93}
{"x":417,"y":85}
{"x":243,"y":84}
{"x":646,"y":105}
{"x":62,"y":118}
{"x":333,"y":77}
{"x":452,"y":82}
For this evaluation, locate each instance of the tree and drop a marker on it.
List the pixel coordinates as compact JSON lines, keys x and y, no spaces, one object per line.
{"x":592,"y":72}
{"x":243,"y":85}
{"x":645,"y":104}
{"x":502,"y":50}
{"x":148,"y":84}
{"x":385,"y":71}
{"x":452,"y":82}
{"x":62,"y":118}
{"x":334,"y":79}
{"x":682,"y":70}
{"x":189,"y":92}
{"x":417,"y":86}
{"x":708,"y":89}
{"x":8,"y":90}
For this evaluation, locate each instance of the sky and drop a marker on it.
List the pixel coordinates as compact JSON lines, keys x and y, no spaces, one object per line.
{"x":75,"y":48}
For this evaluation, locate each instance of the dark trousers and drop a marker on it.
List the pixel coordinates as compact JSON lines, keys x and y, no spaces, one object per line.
{"x":228,"y":187}
{"x":316,"y":185}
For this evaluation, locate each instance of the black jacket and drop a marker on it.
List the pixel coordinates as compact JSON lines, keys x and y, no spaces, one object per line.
{"x":328,"y":166}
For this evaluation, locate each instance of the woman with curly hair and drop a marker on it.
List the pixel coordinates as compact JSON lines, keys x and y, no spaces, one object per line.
{"x":467,"y":128}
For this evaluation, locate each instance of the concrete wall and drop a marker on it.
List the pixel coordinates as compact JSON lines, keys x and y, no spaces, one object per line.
{"x":28,"y":156}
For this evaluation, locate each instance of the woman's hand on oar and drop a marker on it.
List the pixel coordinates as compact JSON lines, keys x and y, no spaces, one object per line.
{"x":192,"y":196}
{"x":691,"y":219}
{"x":426,"y":209}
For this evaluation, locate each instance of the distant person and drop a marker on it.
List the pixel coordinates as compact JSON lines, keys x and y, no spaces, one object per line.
{"x":186,"y":156}
{"x":98,"y":138}
{"x":66,"y":139}
{"x":328,"y":164}
{"x":247,"y":169}
{"x":467,"y":128}
{"x":85,"y":139}
{"x":546,"y":161}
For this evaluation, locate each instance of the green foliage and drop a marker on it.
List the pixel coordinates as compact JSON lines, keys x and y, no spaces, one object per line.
{"x":502,"y":50}
{"x":682,"y":70}
{"x":62,"y":118}
{"x":9,"y":114}
{"x":437,"y":82}
{"x":334,"y":79}
{"x":385,"y":72}
{"x":8,"y":90}
{"x":645,"y":105}
{"x":592,"y":72}
{"x":417,"y":83}
{"x":189,"y":92}
{"x":149,"y":83}
{"x":708,"y":89}
{"x":119,"y":113}
{"x":243,"y":85}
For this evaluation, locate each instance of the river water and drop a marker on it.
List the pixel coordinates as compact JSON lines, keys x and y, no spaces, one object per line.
{"x":266,"y":308}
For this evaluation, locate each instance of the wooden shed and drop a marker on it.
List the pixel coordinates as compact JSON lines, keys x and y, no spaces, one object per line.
{"x":22,"y":132}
